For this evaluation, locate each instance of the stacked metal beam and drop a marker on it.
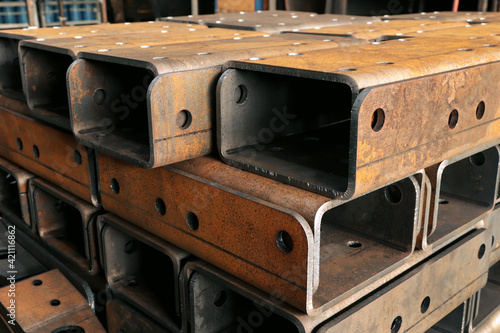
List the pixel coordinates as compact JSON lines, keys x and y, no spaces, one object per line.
{"x":356,"y":188}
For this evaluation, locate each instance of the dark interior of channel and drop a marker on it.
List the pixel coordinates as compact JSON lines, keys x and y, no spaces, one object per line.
{"x":46,"y":81}
{"x":10,"y":73}
{"x":9,"y":194}
{"x":60,"y":224}
{"x":113,"y":112}
{"x":313,"y":146}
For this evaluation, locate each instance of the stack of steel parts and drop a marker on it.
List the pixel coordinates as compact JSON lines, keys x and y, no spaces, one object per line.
{"x":328,"y":174}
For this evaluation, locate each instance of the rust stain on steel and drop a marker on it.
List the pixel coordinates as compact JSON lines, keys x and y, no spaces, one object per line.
{"x":35,"y":313}
{"x":58,"y":152}
{"x":385,"y":76}
{"x":21,"y":177}
{"x":189,"y":71}
{"x":376,"y":30}
{"x":252,"y":222}
{"x":486,"y":32}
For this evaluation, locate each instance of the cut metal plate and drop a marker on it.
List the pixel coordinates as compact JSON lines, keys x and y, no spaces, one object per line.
{"x":159,"y":102}
{"x":44,"y":151}
{"x":272,"y":21}
{"x":66,"y":224}
{"x":383,"y":29}
{"x":10,"y":71}
{"x":443,"y":16}
{"x":463,"y":269}
{"x":342,"y":122}
{"x":306,"y":238}
{"x":47,"y":302}
{"x":44,"y":63}
{"x":464,"y":191}
{"x":14,"y":193}
{"x":142,"y":270}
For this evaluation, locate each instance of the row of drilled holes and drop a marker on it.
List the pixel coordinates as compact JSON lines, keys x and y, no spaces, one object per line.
{"x":424,"y":306}
{"x":77,"y":156}
{"x":378,"y":117}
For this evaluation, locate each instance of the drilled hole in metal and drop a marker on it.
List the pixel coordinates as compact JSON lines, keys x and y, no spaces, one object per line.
{"x":133,"y":283}
{"x":69,"y":329}
{"x":347,"y":69}
{"x":130,"y":246}
{"x":478,"y":159}
{"x":241,"y":94}
{"x":492,"y":240}
{"x":453,"y":119}
{"x":19,"y":143}
{"x":37,"y":283}
{"x":276,"y":149}
{"x":396,"y":324}
{"x":36,"y":151}
{"x":393,"y":194}
{"x":55,"y":302}
{"x":99,"y":96}
{"x":354,"y":244}
{"x":378,"y":120}
{"x":184,"y":119}
{"x":425,"y":304}
{"x":192,"y":221}
{"x":465,"y":50}
{"x":115,"y":186}
{"x":284,"y":241}
{"x":443,"y":202}
{"x":161,"y":208}
{"x":78,"y":157}
{"x":480,"y":110}
{"x":220,"y":298}
{"x":481,"y":252}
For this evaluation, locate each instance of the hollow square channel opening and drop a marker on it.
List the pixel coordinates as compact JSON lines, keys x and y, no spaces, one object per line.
{"x":142,"y":274}
{"x":45,"y":75}
{"x":11,"y":84}
{"x":109,"y":105}
{"x":61,"y":225}
{"x":9,"y":194}
{"x":365,"y":237}
{"x":216,"y":307}
{"x":289,"y":126}
{"x":467,"y":191}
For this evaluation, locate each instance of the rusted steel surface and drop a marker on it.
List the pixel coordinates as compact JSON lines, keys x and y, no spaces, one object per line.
{"x":10,"y":71}
{"x":486,"y":32}
{"x":252,"y":15}
{"x":443,"y":16}
{"x":199,"y":198}
{"x":464,"y":191}
{"x":14,"y":192}
{"x":44,"y":63}
{"x":274,"y":22}
{"x":47,"y":302}
{"x":384,"y":29}
{"x":382,"y":129}
{"x":66,"y":224}
{"x":47,"y":152}
{"x":142,"y":270}
{"x":155,"y":106}
{"x":464,"y":267}
{"x":124,"y":318}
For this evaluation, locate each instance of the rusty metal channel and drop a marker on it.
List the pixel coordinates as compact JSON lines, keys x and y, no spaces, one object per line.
{"x":14,"y":193}
{"x":142,"y":270}
{"x":378,"y":130}
{"x":464,"y":191}
{"x":155,"y":106}
{"x":44,"y":63}
{"x":66,"y":225}
{"x":10,"y":71}
{"x":47,"y":302}
{"x":306,"y":237}
{"x":124,"y":318}
{"x":47,"y":152}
